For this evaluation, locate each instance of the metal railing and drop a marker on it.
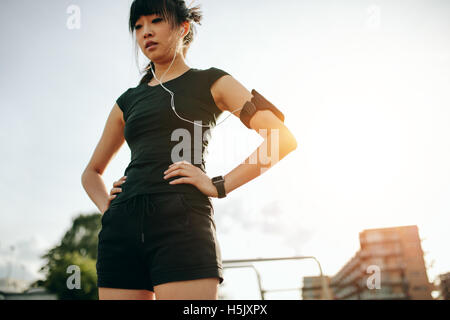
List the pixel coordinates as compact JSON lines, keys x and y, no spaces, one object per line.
{"x":248,"y":263}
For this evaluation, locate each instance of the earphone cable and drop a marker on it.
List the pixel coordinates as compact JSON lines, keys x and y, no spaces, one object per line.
{"x":172,"y":95}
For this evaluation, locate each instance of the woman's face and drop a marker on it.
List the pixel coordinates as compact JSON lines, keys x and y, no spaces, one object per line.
{"x":155,"y":28}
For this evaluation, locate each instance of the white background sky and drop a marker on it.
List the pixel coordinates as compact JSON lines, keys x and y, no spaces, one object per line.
{"x":364,"y":86}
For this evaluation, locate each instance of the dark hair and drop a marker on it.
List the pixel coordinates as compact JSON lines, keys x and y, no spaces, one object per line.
{"x":174,"y":11}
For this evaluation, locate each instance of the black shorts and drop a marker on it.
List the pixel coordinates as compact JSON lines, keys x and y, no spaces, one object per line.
{"x":152,"y":239}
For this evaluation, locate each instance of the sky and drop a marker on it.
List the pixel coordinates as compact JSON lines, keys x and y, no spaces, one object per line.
{"x":364,"y":86}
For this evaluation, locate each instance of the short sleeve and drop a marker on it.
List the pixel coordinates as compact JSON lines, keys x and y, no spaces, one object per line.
{"x":122,"y":102}
{"x":214,"y":74}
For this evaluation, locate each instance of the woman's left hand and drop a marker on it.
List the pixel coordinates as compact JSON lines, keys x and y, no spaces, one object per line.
{"x":191,"y":175}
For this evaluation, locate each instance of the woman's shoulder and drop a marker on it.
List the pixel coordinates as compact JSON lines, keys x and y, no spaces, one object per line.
{"x":131,"y":91}
{"x":202,"y":86}
{"x":210,"y":75}
{"x":210,"y":71}
{"x":127,"y":97}
{"x":126,"y":91}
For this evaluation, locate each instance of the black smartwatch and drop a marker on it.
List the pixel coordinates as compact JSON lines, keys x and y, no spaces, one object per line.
{"x":219,"y":182}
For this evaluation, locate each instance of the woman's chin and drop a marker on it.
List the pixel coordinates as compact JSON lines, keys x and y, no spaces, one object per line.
{"x":151,"y":56}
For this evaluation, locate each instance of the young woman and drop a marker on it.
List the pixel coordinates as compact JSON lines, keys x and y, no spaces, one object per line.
{"x":158,"y":235}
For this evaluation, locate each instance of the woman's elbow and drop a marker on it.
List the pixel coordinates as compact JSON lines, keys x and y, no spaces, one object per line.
{"x":88,"y":173}
{"x":289,"y":140}
{"x":294,"y":145}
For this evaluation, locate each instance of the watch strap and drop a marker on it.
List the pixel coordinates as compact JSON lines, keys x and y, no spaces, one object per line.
{"x":219,"y":183}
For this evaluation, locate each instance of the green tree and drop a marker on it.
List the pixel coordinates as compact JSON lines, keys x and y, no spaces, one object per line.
{"x":78,"y":247}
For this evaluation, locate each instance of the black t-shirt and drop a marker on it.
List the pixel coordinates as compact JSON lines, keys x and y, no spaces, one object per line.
{"x":157,"y":137}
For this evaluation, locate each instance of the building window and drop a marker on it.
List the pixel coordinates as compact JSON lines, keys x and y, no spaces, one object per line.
{"x":374,"y":236}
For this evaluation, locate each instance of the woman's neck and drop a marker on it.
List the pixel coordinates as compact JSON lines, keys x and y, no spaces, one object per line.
{"x":178,"y":67}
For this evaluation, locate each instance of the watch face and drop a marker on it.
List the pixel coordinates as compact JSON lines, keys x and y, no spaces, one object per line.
{"x":217,"y":179}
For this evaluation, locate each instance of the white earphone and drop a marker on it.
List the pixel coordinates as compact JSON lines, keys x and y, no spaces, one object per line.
{"x":171,"y":93}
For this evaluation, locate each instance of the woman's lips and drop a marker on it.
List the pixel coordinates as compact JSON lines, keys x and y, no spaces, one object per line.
{"x":151,"y":47}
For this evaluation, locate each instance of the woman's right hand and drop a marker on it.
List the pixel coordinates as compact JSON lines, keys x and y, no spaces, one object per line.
{"x":115,"y":189}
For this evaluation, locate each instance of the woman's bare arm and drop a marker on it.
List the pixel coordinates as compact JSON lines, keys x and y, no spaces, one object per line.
{"x":231,"y":95}
{"x":110,"y":142}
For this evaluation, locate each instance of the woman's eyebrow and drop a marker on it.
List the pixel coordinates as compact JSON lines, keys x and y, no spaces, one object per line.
{"x":152,"y":17}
